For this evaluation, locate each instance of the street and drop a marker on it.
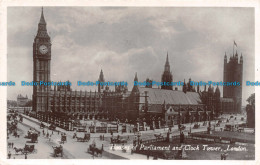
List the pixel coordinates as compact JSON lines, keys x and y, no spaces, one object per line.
{"x":79,"y":150}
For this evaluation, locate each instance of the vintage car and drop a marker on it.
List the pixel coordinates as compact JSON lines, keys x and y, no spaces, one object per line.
{"x":158,"y":135}
{"x":229,"y":127}
{"x":42,"y":125}
{"x":118,"y":140}
{"x":196,"y":126}
{"x":182,"y":127}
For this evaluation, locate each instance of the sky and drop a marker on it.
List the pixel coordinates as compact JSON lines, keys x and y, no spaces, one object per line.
{"x":126,"y":40}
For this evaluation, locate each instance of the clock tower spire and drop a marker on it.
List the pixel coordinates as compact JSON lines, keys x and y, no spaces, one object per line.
{"x":42,"y":30}
{"x":41,"y":66}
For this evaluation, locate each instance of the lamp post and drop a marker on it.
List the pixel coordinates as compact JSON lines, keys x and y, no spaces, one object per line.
{"x":138,"y":137}
{"x":190,"y":117}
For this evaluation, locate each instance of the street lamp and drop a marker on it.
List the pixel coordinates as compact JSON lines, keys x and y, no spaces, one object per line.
{"x":190,"y":118}
{"x":138,"y":137}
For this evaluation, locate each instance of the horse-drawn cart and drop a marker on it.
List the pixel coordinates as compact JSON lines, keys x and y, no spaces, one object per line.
{"x":94,"y":150}
{"x":33,"y":135}
{"x":57,"y":150}
{"x":63,"y":139}
{"x":34,"y":138}
{"x":29,"y":149}
{"x":86,"y":138}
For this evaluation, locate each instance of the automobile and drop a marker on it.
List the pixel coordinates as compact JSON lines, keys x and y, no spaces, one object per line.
{"x":229,"y":127}
{"x":182,"y":127}
{"x":52,"y":127}
{"x":79,"y":129}
{"x":242,"y":125}
{"x":196,"y":126}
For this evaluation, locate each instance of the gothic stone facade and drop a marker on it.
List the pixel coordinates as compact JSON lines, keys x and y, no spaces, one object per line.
{"x":233,"y":72}
{"x":62,"y":101}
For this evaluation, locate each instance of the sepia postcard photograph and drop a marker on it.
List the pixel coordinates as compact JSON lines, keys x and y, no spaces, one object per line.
{"x":130,"y":83}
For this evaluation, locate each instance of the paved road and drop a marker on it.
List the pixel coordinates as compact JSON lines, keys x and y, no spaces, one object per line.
{"x":72,"y":149}
{"x":78,"y":150}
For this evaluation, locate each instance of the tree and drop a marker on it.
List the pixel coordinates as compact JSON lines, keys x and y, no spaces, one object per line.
{"x":250,"y":109}
{"x":28,"y":104}
{"x":251,"y":99}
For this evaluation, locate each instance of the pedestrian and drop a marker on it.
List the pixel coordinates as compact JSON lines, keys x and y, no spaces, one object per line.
{"x":182,"y":137}
{"x":93,"y":153}
{"x":155,"y":157}
{"x":103,"y":137}
{"x":225,"y":154}
{"x":9,"y":155}
{"x":113,"y":147}
{"x":25,"y":156}
{"x":12,"y":145}
{"x":148,"y":156}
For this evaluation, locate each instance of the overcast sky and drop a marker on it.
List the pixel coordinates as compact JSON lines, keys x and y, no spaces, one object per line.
{"x":123,"y":41}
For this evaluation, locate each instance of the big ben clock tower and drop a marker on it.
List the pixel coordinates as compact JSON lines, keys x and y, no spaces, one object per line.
{"x":41,"y":67}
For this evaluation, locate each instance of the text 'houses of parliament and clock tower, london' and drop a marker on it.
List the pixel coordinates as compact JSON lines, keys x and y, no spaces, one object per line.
{"x":181,"y":106}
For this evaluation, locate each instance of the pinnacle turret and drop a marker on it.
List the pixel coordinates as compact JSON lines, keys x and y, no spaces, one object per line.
{"x":136,"y":79}
{"x":42,"y":20}
{"x":42,"y":30}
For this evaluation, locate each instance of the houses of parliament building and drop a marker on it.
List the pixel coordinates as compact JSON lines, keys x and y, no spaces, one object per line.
{"x":141,"y":104}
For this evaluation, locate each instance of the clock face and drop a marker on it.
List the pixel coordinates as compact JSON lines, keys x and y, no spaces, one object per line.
{"x":43,"y":49}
